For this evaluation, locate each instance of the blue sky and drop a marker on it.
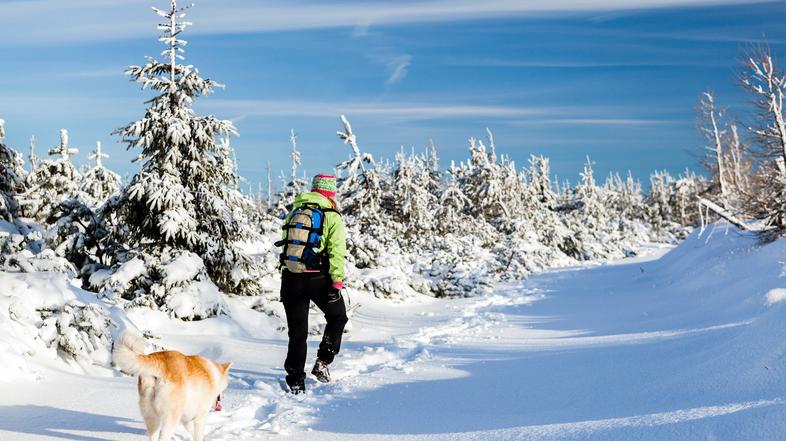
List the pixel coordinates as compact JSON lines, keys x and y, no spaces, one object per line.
{"x":562,"y":78}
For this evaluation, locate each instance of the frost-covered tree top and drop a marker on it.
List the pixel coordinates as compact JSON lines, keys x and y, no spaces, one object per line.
{"x":99,"y":183}
{"x":63,"y":149}
{"x":98,"y":155}
{"x":32,"y":156}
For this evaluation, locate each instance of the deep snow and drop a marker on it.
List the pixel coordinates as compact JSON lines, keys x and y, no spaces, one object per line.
{"x":690,"y":345}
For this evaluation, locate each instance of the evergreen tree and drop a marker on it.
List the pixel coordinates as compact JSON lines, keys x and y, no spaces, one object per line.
{"x":99,"y":183}
{"x":185,"y":199}
{"x":492,"y":185}
{"x":413,"y":199}
{"x":360,"y":185}
{"x":55,"y":180}
{"x":12,"y":178}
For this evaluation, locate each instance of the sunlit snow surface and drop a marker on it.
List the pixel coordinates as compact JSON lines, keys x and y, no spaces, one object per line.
{"x":690,"y":345}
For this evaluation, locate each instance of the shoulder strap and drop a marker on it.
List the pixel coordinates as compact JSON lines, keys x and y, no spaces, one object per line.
{"x":315,"y":206}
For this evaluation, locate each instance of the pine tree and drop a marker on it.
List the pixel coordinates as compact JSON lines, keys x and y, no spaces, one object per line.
{"x":360,"y":185}
{"x":413,"y":199}
{"x":54,"y":181}
{"x":99,"y":183}
{"x":492,"y":185}
{"x":185,"y":199}
{"x":12,"y":178}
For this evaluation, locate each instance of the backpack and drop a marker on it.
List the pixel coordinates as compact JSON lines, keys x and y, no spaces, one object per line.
{"x":303,"y":238}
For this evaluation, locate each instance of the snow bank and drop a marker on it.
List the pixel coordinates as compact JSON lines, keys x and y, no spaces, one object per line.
{"x":45,"y":320}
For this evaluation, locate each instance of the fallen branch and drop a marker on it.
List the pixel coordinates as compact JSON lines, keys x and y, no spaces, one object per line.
{"x":720,"y":211}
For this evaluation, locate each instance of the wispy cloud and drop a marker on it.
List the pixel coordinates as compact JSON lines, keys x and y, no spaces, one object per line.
{"x":398,"y":68}
{"x":602,"y":121}
{"x":400,"y":111}
{"x":58,"y":21}
{"x":572,"y":64}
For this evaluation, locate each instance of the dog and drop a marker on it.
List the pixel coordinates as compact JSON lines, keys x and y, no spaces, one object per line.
{"x":173,"y":387}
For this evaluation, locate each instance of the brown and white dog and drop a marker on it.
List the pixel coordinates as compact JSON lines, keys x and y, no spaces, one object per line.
{"x":172,"y":387}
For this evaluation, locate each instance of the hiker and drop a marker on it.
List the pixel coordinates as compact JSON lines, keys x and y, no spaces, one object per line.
{"x":312,"y":262}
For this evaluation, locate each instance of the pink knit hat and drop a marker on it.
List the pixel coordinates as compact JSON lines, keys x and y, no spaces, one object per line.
{"x":324,"y":185}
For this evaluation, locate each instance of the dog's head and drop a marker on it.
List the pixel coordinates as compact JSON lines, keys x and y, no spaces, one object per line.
{"x":223,"y":382}
{"x":223,"y":369}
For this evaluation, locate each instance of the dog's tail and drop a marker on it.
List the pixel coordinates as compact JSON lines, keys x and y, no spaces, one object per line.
{"x":129,"y":356}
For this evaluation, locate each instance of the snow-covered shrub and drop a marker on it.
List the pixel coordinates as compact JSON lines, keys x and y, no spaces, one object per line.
{"x":23,"y":249}
{"x":43,"y":317}
{"x":175,"y":281}
{"x":80,"y":331}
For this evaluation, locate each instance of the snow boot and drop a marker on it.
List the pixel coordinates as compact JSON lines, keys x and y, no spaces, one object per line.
{"x":296,"y":385}
{"x":321,"y":371}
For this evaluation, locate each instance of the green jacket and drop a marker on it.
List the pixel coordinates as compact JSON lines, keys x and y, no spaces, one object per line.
{"x":333,"y":235}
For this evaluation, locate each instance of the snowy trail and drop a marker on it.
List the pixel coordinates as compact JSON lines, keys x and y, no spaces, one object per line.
{"x":681,"y":347}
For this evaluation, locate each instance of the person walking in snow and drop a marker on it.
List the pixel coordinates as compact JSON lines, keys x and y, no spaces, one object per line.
{"x":312,"y":262}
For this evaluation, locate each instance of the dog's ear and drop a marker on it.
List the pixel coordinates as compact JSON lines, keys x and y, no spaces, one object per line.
{"x":225,"y":367}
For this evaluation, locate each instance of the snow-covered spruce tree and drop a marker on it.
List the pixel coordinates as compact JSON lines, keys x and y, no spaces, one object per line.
{"x":54,"y":181}
{"x":453,"y":203}
{"x":78,"y":232}
{"x":99,"y":183}
{"x":586,"y":216}
{"x":492,"y":184}
{"x":674,"y":201}
{"x":179,"y":217}
{"x":22,"y":245}
{"x":362,"y":186}
{"x":413,"y":200}
{"x":540,"y":181}
{"x":12,"y":178}
{"x":540,"y":203}
{"x":359,"y":183}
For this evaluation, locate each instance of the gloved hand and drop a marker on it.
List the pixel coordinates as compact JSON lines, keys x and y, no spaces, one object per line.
{"x":334,"y":292}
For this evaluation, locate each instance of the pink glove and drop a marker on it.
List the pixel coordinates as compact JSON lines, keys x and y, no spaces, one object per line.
{"x":338,"y":285}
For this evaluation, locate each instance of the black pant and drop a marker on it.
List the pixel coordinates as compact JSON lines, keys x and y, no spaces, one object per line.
{"x":297,"y":291}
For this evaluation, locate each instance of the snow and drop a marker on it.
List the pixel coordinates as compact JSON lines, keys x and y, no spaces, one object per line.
{"x":686,"y":343}
{"x":42,"y":316}
{"x":182,"y":269}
